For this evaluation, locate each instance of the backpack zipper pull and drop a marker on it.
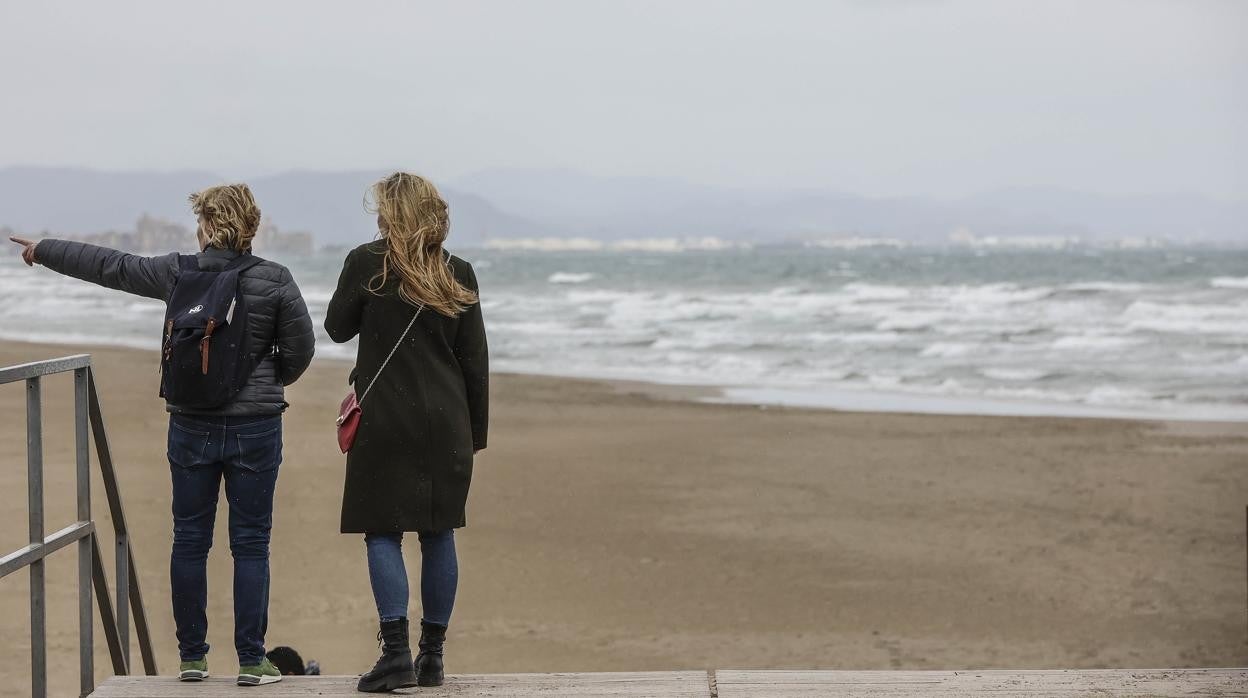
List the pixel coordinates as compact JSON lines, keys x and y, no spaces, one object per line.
{"x":168,"y":339}
{"x":203,"y":345}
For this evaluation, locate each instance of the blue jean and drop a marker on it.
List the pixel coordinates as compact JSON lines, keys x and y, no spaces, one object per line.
{"x":439,"y":574}
{"x":246,"y":452}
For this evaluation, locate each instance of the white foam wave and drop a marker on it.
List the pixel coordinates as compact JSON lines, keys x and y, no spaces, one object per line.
{"x":947,"y":350}
{"x":1054,"y":341}
{"x":1095,"y":342}
{"x":1105,"y":286}
{"x":994,"y":294}
{"x":569,"y":277}
{"x":1116,"y":395}
{"x":1021,"y":375}
{"x":1229,"y":282}
{"x":875,"y":292}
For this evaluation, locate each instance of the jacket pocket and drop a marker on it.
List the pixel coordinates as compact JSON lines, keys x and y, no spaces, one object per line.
{"x":260,"y":452}
{"x":188,"y":446}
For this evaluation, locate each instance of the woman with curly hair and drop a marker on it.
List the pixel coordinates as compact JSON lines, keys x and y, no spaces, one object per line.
{"x":238,"y":440}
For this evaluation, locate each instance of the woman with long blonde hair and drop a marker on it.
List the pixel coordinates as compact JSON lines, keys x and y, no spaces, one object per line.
{"x":418,"y":317}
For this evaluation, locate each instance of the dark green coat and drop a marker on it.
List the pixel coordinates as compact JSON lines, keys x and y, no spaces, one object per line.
{"x":411,"y":464}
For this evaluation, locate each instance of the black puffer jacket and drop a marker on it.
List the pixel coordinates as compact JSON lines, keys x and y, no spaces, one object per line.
{"x":281,"y":331}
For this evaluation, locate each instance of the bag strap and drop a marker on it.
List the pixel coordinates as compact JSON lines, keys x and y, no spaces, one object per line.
{"x":243,"y":262}
{"x":391,"y":355}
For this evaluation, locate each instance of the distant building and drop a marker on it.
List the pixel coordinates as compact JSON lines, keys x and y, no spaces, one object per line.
{"x":153,"y":235}
{"x":270,"y":240}
{"x":963,"y":236}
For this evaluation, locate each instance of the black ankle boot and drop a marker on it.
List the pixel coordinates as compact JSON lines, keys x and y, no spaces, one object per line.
{"x":429,"y":661}
{"x":394,"y":669}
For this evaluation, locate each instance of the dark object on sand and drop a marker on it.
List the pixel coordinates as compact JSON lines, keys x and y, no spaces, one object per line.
{"x":288,"y":661}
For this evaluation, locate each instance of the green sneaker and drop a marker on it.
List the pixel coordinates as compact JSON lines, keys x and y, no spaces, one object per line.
{"x":193,"y":671}
{"x":259,"y":674}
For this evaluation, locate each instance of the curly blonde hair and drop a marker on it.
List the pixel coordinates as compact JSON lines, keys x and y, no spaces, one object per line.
{"x":414,"y":221}
{"x":228,"y":216}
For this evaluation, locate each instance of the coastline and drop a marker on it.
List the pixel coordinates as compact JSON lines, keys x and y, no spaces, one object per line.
{"x":799,"y":397}
{"x":620,"y":526}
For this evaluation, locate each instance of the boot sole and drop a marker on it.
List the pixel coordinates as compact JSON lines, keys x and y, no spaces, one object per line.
{"x":403,"y":679}
{"x":429,"y":683}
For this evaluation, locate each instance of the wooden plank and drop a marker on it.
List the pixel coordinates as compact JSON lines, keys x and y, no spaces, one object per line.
{"x":688,"y":684}
{"x":742,"y":684}
{"x":1057,"y":682}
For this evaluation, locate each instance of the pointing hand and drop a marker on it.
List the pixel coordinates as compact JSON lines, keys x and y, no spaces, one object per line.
{"x":28,"y":249}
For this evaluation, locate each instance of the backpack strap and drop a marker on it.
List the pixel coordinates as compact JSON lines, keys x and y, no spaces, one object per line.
{"x":243,"y":262}
{"x":190,"y":262}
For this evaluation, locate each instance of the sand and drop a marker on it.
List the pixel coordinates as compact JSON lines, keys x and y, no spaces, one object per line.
{"x":617,"y":527}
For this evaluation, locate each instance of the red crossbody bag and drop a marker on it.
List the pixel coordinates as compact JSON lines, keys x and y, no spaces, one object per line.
{"x":350,"y":409}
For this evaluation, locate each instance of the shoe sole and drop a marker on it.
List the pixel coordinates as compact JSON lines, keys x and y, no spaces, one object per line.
{"x":253,"y":680}
{"x":389,"y":683}
{"x":193,"y":675}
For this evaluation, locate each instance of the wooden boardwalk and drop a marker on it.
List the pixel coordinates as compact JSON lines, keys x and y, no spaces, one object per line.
{"x":727,"y":683}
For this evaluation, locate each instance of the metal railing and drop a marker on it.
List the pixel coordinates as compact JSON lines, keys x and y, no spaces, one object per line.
{"x":115,"y":619}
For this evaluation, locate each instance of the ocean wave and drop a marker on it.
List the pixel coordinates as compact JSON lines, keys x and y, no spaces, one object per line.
{"x":870,"y":338}
{"x":569,"y":277}
{"x":1117,"y":395}
{"x":949,"y":350}
{"x":1087,"y":287}
{"x":81,"y":339}
{"x":909,"y":321}
{"x":993,"y":294}
{"x":1020,"y":375}
{"x":875,"y":292}
{"x":713,"y":340}
{"x":317,"y":295}
{"x":1229,"y":282}
{"x":1095,"y":342}
{"x":1187,"y":318}
{"x":938,"y":330}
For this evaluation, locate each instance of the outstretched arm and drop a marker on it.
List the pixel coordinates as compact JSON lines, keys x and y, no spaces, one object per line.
{"x":152,"y":277}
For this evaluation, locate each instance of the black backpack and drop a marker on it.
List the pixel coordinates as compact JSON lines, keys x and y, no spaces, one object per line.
{"x":204,"y":359}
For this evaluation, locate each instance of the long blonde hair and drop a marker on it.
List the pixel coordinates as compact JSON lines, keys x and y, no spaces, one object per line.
{"x":228,"y":215}
{"x":414,"y":222}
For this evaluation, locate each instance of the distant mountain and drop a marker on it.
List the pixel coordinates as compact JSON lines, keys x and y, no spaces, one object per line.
{"x":89,"y":201}
{"x":1183,"y":216}
{"x":630,"y":207}
{"x":329,"y":204}
{"x":521,"y":203}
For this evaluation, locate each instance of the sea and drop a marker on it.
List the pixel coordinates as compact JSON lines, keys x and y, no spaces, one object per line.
{"x":1135,"y":333}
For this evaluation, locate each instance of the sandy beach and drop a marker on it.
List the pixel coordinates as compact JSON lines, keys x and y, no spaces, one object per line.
{"x":616,"y":526}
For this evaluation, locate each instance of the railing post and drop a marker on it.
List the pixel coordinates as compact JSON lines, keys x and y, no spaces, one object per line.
{"x":82,"y":457}
{"x":127,"y":576}
{"x":123,"y":594}
{"x":88,"y":423}
{"x":34,"y":491}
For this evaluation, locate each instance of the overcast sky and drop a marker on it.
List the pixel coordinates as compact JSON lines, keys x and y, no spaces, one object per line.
{"x":877,"y":98}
